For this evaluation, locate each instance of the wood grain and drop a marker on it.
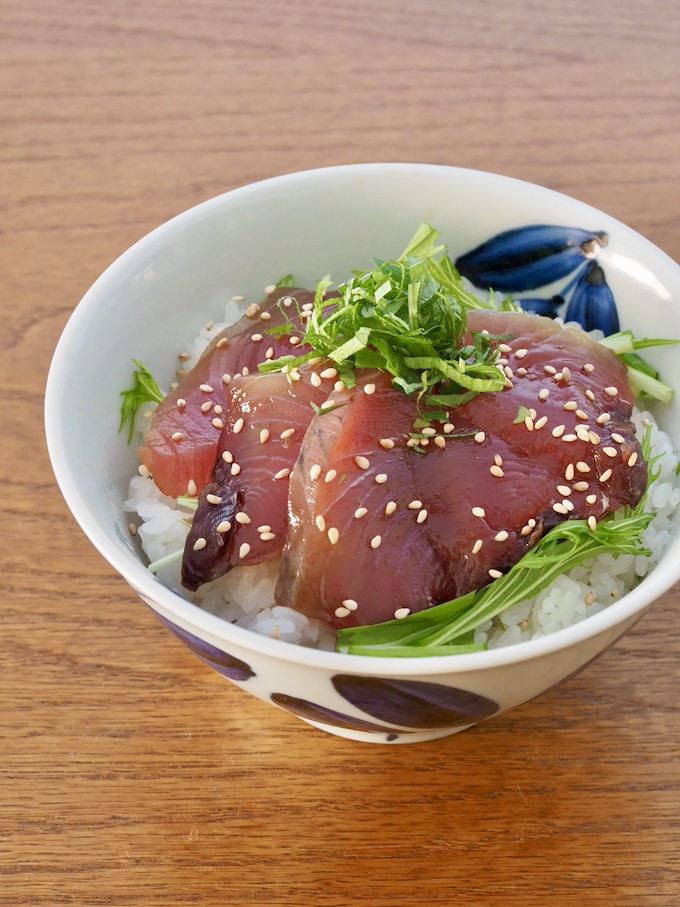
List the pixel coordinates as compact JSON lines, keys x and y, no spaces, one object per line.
{"x":129,"y":773}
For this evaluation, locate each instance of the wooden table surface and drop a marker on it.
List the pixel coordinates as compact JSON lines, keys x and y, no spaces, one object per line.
{"x":130,"y":774}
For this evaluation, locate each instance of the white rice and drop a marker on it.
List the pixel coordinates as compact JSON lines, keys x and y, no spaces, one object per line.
{"x":245,"y":596}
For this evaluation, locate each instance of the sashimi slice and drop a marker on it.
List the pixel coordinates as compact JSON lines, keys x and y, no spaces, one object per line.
{"x":379,"y":529}
{"x":242,"y":513}
{"x":181,"y":442}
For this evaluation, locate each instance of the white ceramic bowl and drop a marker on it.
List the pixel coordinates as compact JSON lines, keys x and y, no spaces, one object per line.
{"x":156,"y":297}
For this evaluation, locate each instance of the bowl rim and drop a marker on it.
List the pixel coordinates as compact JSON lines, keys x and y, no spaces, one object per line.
{"x":191,"y":617}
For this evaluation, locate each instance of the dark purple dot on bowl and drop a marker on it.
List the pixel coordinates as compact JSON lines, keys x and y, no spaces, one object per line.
{"x":313,"y":712}
{"x":414,"y":703}
{"x":225,"y":664}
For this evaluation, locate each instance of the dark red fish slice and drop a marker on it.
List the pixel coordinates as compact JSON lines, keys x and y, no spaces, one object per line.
{"x":385,"y":530}
{"x":182,"y":439}
{"x":242,"y":514}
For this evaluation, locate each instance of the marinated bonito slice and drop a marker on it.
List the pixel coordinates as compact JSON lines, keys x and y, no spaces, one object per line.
{"x":383,"y":523}
{"x":181,"y":442}
{"x":242,"y":513}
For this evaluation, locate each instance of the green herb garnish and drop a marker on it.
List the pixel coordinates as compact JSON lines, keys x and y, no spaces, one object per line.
{"x":286,"y":281}
{"x":451,"y":623}
{"x":406,"y":317}
{"x":144,"y":390}
{"x":644,"y":380}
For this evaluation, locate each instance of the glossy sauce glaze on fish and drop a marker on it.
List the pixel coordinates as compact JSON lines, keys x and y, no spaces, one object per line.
{"x":381,"y":527}
{"x":242,"y":515}
{"x":181,"y":442}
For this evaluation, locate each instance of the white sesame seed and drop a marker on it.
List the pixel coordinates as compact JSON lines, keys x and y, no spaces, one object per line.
{"x":369,"y":389}
{"x":315,"y":378}
{"x":191,"y":488}
{"x":567,"y":504}
{"x":381,"y":478}
{"x":329,"y":373}
{"x":633,"y":458}
{"x":376,"y":541}
{"x":206,"y":388}
{"x":495,"y":574}
{"x":570,"y":405}
{"x":238,"y":425}
{"x":522,"y":372}
{"x":227,"y":456}
{"x":590,"y":395}
{"x":582,"y":415}
{"x":592,"y":523}
{"x":498,"y":459}
{"x":440,"y":441}
{"x":588,"y":367}
{"x":265,"y":316}
{"x":252,"y":310}
{"x":549,"y":370}
{"x":307,"y":306}
{"x":603,"y":419}
{"x":342,"y":612}
{"x":559,"y":508}
{"x":327,"y":404}
{"x":206,"y":407}
{"x":582,"y":433}
{"x":287,"y":301}
{"x":501,"y":536}
{"x":362,"y":462}
{"x":224,"y":526}
{"x":177,"y":436}
{"x":386,"y":443}
{"x":264,"y":528}
{"x":181,"y":403}
{"x":480,"y":437}
{"x":617,"y":437}
{"x":610,"y":451}
{"x":569,"y":472}
{"x":288,"y":433}
{"x":582,"y":467}
{"x":580,"y":486}
{"x":242,"y":518}
{"x":401,"y":613}
{"x":569,"y":438}
{"x":226,"y":378}
{"x":529,"y":423}
{"x":294,"y":340}
{"x":496,"y":471}
{"x":412,"y":442}
{"x":539,"y":423}
{"x":200,"y":544}
{"x":213,"y":499}
{"x":218,"y":423}
{"x":339,"y":386}
{"x":611,"y":391}
{"x":360,"y":512}
{"x":422,"y":516}
{"x":415,"y":505}
{"x":350,"y":604}
{"x":477,"y":547}
{"x":244,"y":550}
{"x":525,"y":530}
{"x":256,"y":338}
{"x":448,"y":428}
{"x":606,"y":475}
{"x":521,"y":353}
{"x":268,"y":290}
{"x":429,"y":431}
{"x":320,"y":523}
{"x":333,"y":535}
{"x":270,"y":353}
{"x":558,"y":431}
{"x":267,"y":537}
{"x":479,"y":511}
{"x":564,"y":490}
{"x":591,"y":499}
{"x":132,"y":529}
{"x":593,"y":438}
{"x":235,"y":469}
{"x":315,"y":472}
{"x":282,"y":474}
{"x":390,"y":507}
{"x":504,"y":348}
{"x":543,"y":394}
{"x":264,"y":436}
{"x":508,"y":372}
{"x":423,"y":442}
{"x":330,"y":475}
